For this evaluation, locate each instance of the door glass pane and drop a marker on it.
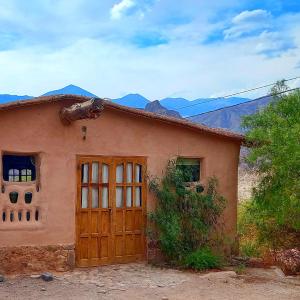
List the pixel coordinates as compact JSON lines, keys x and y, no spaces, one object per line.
{"x":119,"y":173}
{"x":95,"y":197}
{"x":129,"y":196}
{"x":138,"y":196}
{"x":138,"y":173}
{"x":105,"y":197}
{"x":104,"y":173}
{"x":95,"y":172}
{"x":129,"y":172}
{"x":85,"y":173}
{"x":119,"y":196}
{"x":84,"y":197}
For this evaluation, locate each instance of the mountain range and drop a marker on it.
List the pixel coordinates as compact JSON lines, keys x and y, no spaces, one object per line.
{"x":213,"y":112}
{"x":231,"y":117}
{"x":185,"y":107}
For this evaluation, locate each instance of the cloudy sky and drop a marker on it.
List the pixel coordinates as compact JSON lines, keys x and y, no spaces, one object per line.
{"x":158,"y":48}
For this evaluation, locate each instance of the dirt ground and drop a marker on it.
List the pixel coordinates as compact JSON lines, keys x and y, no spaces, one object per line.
{"x":142,"y":281}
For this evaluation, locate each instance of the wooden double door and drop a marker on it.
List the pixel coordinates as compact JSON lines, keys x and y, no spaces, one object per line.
{"x":111,"y":210}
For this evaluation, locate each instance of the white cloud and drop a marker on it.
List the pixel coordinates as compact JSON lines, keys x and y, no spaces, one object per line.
{"x":119,"y":9}
{"x":99,"y":66}
{"x":83,"y":46}
{"x":248,"y":23}
{"x":256,"y":15}
{"x":273,"y":44}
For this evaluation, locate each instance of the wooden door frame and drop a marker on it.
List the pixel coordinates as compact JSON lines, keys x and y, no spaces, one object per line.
{"x":111,"y":160}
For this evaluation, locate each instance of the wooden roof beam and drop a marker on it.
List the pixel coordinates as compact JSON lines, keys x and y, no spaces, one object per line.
{"x":90,"y":109}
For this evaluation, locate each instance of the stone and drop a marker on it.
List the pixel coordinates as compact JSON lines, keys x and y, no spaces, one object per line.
{"x":100,"y":284}
{"x":35,"y":276}
{"x":222,"y":275}
{"x":43,"y":289}
{"x":36,"y":259}
{"x":289,"y":261}
{"x":164,"y":298}
{"x":71,"y":259}
{"x":47,"y":276}
{"x":2,"y":279}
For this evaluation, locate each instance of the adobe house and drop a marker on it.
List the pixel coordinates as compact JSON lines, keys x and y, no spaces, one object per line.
{"x":73,"y":188}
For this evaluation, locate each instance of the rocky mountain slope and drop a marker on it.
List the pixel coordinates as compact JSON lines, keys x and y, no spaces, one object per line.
{"x":231,"y":117}
{"x":157,"y":108}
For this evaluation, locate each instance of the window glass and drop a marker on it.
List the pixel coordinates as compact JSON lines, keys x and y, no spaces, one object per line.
{"x":26,"y":175}
{"x":105,"y":197}
{"x":138,"y":196}
{"x":95,"y":197}
{"x":95,"y":172}
{"x":190,"y":168}
{"x":138,"y":173}
{"x":119,"y":196}
{"x":85,"y":173}
{"x":119,"y":173}
{"x":18,"y":167}
{"x":84,"y":197}
{"x":104,"y":173}
{"x":129,"y":172}
{"x":129,"y":196}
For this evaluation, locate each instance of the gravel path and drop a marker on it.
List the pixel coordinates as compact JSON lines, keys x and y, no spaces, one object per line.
{"x":140,"y":281}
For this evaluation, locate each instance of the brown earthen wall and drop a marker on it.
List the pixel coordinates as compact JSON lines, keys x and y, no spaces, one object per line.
{"x":38,"y":129}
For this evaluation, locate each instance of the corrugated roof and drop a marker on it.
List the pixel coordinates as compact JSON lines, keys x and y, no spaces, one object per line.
{"x":137,"y":112}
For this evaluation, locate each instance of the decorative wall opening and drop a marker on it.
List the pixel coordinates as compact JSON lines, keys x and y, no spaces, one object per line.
{"x":20,"y":205}
{"x":18,"y":168}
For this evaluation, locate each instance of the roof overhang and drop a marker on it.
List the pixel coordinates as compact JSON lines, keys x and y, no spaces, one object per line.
{"x":89,"y":110}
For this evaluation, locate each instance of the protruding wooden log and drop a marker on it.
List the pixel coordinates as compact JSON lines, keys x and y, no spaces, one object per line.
{"x":90,"y":109}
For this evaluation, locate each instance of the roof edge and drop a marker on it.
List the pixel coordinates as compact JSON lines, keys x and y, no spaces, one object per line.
{"x":137,"y":112}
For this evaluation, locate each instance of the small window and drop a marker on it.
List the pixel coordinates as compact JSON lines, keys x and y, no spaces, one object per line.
{"x":190,"y":168}
{"x":18,"y":168}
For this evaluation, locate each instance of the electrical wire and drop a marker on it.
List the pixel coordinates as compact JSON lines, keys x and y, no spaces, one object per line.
{"x":207,"y":112}
{"x":234,"y":94}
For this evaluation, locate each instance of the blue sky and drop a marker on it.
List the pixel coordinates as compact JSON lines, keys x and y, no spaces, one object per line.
{"x":158,"y":48}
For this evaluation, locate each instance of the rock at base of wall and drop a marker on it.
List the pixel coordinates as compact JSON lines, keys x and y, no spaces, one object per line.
{"x":289,"y":261}
{"x":34,"y":259}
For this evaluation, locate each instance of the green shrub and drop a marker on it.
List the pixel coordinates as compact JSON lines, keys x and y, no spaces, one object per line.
{"x":183,"y":220}
{"x":247,"y":231}
{"x":250,"y":248}
{"x":202,"y":259}
{"x":275,"y":209}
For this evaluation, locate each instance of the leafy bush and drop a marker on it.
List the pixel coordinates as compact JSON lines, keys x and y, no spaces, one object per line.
{"x":183,"y":220}
{"x":202,"y":259}
{"x":250,"y":249}
{"x":247,"y":231}
{"x":275,"y":209}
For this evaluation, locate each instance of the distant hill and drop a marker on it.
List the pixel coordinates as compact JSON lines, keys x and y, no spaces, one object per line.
{"x":157,"y":108}
{"x":70,"y":89}
{"x":133,"y":100}
{"x":173,"y":103}
{"x":230,"y":117}
{"x":207,"y":110}
{"x":188,"y":108}
{"x":8,"y":98}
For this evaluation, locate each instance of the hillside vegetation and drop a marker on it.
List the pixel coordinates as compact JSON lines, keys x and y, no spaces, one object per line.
{"x":272,"y":216}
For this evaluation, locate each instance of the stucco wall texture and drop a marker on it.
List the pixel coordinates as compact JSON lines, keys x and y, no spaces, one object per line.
{"x":38,"y":129}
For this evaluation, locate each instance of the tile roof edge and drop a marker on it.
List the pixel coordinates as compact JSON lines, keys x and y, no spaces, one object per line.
{"x":138,"y":112}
